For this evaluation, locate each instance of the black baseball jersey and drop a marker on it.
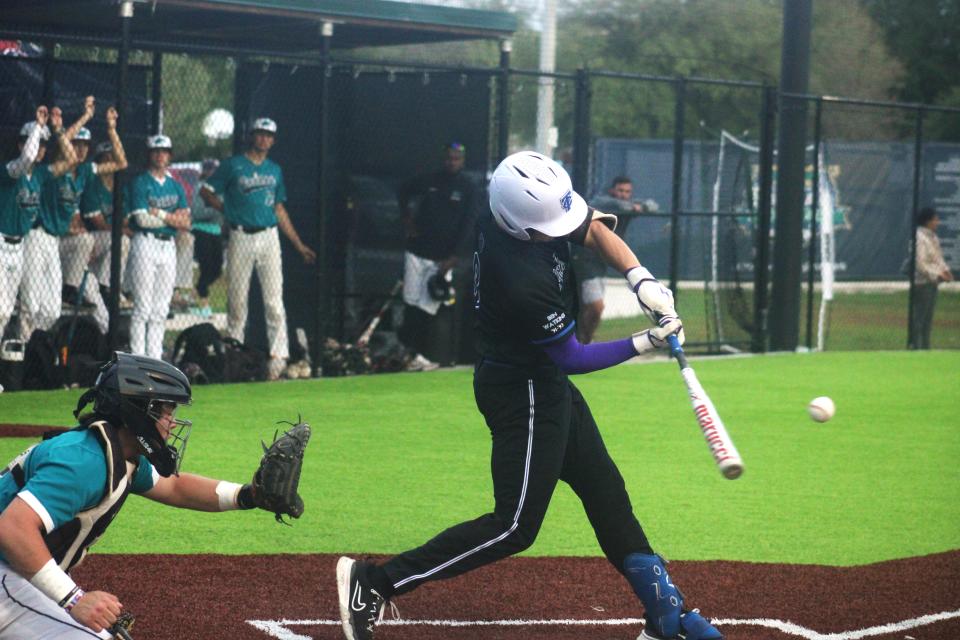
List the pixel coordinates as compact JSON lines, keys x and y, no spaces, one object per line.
{"x":445,"y":213}
{"x":524,"y":295}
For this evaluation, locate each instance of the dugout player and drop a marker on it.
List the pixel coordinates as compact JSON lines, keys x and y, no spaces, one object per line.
{"x":41,"y":289}
{"x":96,"y":211}
{"x":20,"y":186}
{"x":541,"y":426}
{"x":158,"y":209}
{"x":249,"y":190}
{"x":54,"y":501}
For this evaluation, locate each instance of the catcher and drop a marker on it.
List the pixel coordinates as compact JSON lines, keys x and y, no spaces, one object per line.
{"x":58,"y":497}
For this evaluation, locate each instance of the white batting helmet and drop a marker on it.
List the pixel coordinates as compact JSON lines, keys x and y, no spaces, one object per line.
{"x":83,"y":135}
{"x":159,"y":141}
{"x":531,"y":191}
{"x":28,"y":128}
{"x":264,"y":124}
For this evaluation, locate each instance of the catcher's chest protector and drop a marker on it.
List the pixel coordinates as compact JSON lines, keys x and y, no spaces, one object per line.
{"x":68,"y":544}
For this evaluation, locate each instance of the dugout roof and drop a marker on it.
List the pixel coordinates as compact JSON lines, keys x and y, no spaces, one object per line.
{"x":273,"y":25}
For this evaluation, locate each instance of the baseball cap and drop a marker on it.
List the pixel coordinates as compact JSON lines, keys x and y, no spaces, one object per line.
{"x":28,"y":128}
{"x":455,"y":146}
{"x":159,"y":142}
{"x":83,"y":135}
{"x":265,"y":124}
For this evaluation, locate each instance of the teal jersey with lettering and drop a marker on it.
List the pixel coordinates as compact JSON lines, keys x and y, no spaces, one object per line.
{"x":147,"y":193}
{"x":249,"y":191}
{"x":97,"y":200}
{"x":61,"y":199}
{"x":66,"y":475}
{"x":21,"y":199}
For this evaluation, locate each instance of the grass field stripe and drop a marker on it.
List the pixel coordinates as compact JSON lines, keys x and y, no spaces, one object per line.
{"x":278,"y":628}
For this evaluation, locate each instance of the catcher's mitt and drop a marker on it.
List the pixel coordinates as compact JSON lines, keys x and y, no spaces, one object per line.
{"x":275,"y":482}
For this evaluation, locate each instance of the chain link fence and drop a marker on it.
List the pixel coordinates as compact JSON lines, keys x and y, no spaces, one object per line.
{"x":283,"y":232}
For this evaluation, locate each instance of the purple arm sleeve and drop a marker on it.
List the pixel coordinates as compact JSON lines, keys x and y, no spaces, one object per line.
{"x":573,"y":357}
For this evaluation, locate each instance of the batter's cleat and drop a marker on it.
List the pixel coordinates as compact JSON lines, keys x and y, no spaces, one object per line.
{"x":361,"y":607}
{"x":693,"y":626}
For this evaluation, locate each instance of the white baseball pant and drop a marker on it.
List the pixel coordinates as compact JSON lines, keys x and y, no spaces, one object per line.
{"x":74,"y":255}
{"x":261,"y":250}
{"x":100,"y":257}
{"x":41,"y":288}
{"x":11,"y":272}
{"x":152,"y":268}
{"x":25,"y":612}
{"x":184,"y":260}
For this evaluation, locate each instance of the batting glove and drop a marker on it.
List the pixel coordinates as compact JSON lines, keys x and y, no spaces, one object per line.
{"x":656,"y":338}
{"x":655,"y":299}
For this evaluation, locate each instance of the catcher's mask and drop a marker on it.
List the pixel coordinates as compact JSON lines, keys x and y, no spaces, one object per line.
{"x":137,"y":392}
{"x":440,"y":287}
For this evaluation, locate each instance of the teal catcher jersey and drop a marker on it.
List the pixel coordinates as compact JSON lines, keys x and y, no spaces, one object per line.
{"x":66,"y":475}
{"x":20,"y":199}
{"x":249,"y":191}
{"x":149,"y":193}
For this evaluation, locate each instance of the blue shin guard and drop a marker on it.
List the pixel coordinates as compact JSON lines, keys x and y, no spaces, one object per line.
{"x":662,"y":601}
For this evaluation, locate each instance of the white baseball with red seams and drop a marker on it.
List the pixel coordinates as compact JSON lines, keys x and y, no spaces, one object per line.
{"x":821,"y":409}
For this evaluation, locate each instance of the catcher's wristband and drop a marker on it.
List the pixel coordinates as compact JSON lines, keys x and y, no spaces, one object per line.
{"x":228,"y":494}
{"x":54,"y":583}
{"x":245,"y":497}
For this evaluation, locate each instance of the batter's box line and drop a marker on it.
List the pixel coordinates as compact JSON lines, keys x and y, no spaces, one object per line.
{"x":279,"y":628}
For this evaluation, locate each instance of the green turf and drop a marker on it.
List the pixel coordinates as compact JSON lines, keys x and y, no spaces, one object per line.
{"x":396,"y":458}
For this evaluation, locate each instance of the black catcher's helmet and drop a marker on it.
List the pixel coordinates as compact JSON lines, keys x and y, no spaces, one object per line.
{"x":131,"y":391}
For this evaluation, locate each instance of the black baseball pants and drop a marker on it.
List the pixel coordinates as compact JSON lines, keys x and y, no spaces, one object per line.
{"x":542,"y":432}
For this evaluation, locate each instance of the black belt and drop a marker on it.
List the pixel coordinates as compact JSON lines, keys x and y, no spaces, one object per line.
{"x":250,"y":230}
{"x":13,"y":239}
{"x":157,"y":235}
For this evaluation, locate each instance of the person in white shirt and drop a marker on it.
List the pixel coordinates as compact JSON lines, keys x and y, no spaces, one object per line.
{"x":930,"y":270}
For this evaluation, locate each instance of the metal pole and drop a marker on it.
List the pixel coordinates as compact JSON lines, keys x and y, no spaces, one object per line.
{"x":503,"y":101}
{"x":156,"y":94}
{"x":768,"y":118}
{"x":116,"y":223}
{"x":814,"y":215}
{"x":788,"y":236}
{"x":917,"y":170}
{"x":241,"y":103}
{"x":326,"y":165}
{"x":680,"y":86}
{"x":581,"y":132}
{"x":546,"y":131}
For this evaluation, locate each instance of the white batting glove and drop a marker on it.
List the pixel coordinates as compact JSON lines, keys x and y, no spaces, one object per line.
{"x":656,"y":338}
{"x":655,"y":299}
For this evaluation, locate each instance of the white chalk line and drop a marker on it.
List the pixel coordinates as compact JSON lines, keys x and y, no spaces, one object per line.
{"x":279,"y":628}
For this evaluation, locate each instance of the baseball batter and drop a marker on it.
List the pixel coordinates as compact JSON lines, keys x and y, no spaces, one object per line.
{"x":40,"y":290}
{"x":59,"y":497}
{"x":542,"y":429}
{"x":20,"y":184}
{"x":158,"y":208}
{"x":250,"y":192}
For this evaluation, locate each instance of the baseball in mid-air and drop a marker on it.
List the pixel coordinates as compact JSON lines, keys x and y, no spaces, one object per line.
{"x":821,"y":409}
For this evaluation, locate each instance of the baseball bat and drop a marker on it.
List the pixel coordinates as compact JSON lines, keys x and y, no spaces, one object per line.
{"x":721,"y":445}
{"x":365,"y":336}
{"x":65,"y":349}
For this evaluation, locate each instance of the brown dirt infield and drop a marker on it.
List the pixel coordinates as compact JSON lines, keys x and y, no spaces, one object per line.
{"x":212,"y":598}
{"x":27,"y":430}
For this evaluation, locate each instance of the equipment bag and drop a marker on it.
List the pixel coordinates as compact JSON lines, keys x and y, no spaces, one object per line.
{"x":201,"y":345}
{"x":243,"y":363}
{"x":41,"y":362}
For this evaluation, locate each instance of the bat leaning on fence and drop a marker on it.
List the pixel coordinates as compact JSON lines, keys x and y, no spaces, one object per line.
{"x":365,"y":336}
{"x":721,"y":445}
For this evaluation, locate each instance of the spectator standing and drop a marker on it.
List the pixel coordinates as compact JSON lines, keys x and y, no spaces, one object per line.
{"x":21,"y":180}
{"x":41,"y":290}
{"x":249,"y":190}
{"x":208,"y":244}
{"x":930,"y":270}
{"x":439,"y":211}
{"x":158,"y":209}
{"x":589,"y":268}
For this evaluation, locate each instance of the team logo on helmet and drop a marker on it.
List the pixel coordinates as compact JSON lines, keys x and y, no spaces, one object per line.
{"x":566,"y":202}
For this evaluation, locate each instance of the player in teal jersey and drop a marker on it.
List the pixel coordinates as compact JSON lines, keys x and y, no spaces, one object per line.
{"x":40,"y":295}
{"x":16,"y":210}
{"x":58,"y":497}
{"x":250,"y":192}
{"x":158,"y":208}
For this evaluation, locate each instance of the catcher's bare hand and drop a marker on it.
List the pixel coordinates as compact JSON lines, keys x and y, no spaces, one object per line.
{"x":97,"y":610}
{"x":275,"y":482}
